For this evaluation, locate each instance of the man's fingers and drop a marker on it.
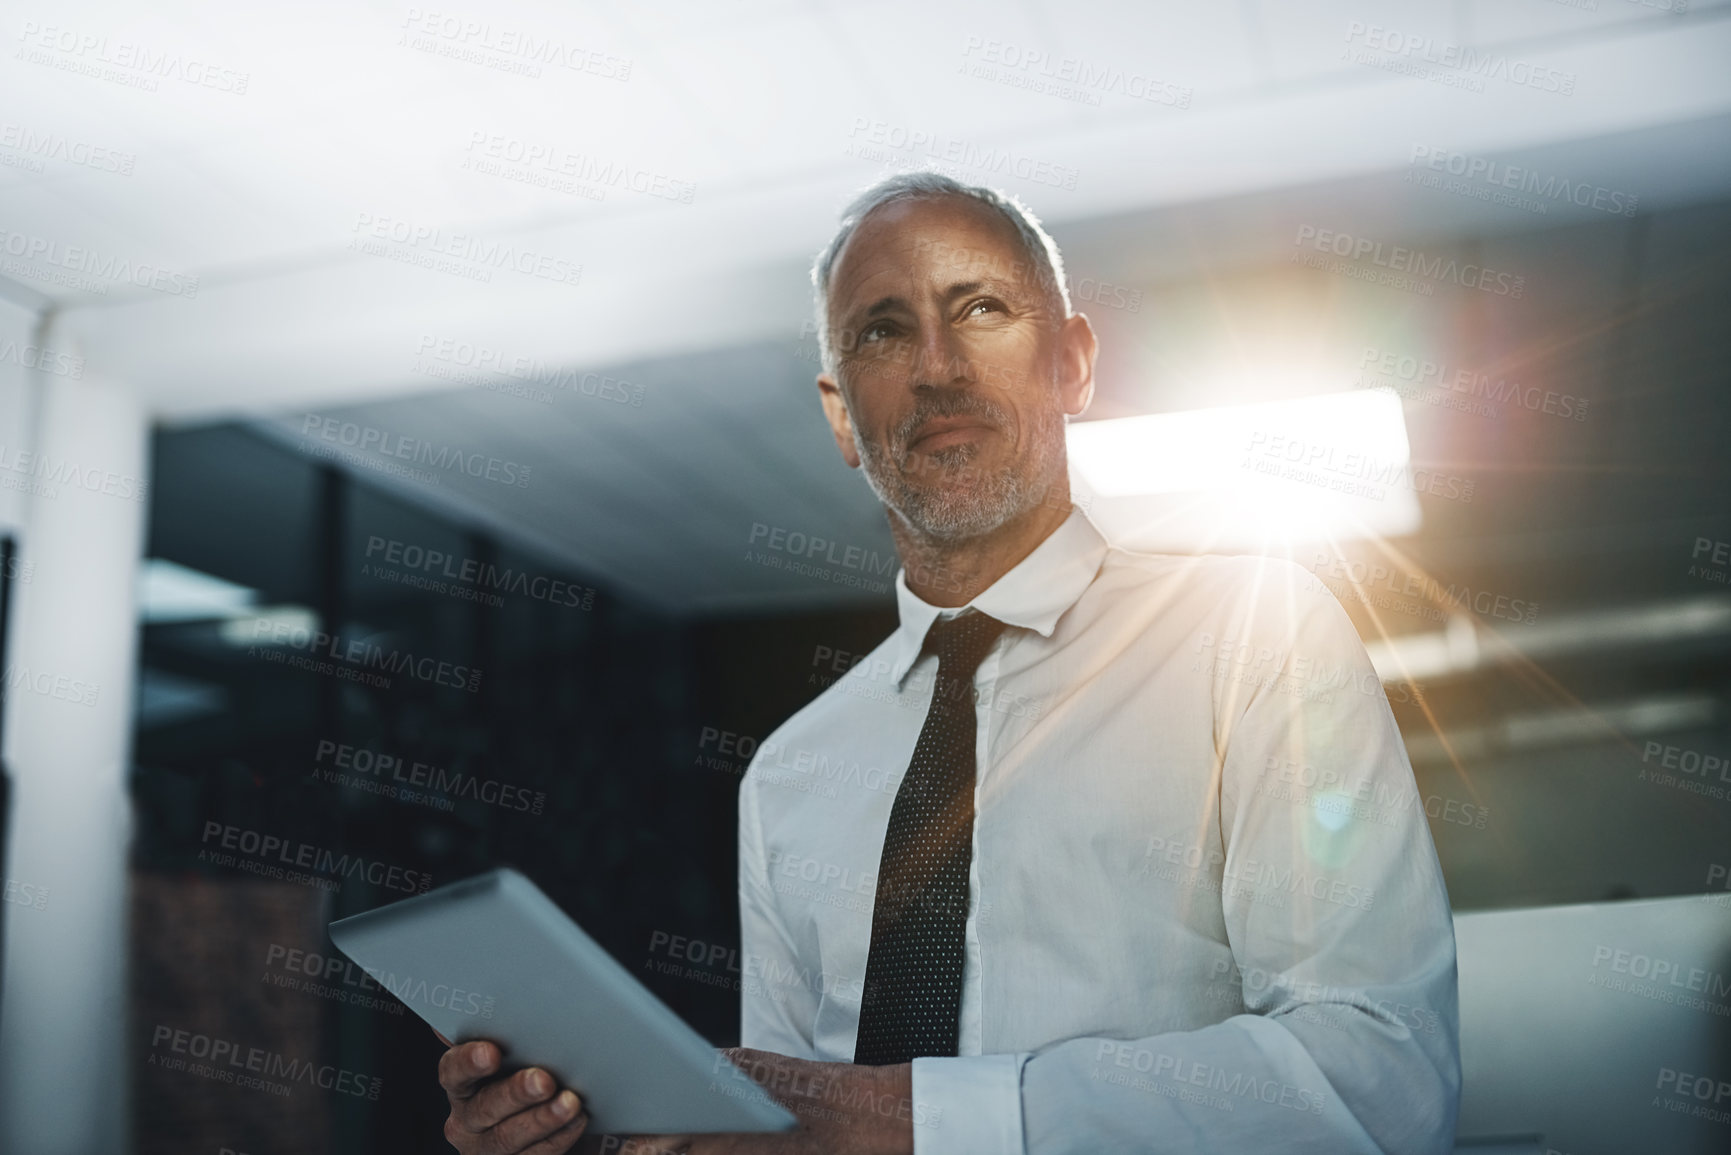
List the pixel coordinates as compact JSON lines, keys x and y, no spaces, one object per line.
{"x":462,"y":1069}
{"x":522,"y":1130}
{"x":561,"y":1140}
{"x":493,"y":1104}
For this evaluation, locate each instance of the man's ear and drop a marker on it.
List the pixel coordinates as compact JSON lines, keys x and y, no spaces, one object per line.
{"x":1077,"y":349}
{"x":840,"y":424}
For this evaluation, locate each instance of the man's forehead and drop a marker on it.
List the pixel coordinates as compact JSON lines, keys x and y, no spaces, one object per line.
{"x":952,"y":239}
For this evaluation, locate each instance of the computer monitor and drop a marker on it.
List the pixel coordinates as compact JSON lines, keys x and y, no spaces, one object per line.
{"x":1597,"y":1030}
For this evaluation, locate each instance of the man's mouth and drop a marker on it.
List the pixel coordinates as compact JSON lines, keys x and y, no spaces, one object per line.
{"x":945,"y":432}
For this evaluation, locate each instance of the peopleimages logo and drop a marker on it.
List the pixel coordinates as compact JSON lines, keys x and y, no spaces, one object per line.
{"x":465,"y":254}
{"x":229,"y":1062}
{"x":1399,"y":259}
{"x":749,"y":1078}
{"x":535,"y":162}
{"x":43,"y":474}
{"x":442,"y":996}
{"x":1240,"y":980}
{"x":395,"y":446}
{"x":1353,"y":473}
{"x":41,"y":357}
{"x":1422,"y":56}
{"x":60,"y":687}
{"x":357,"y":656}
{"x":135,"y":65}
{"x":1691,"y":1094}
{"x":1249,"y":662}
{"x":360,"y":765}
{"x":845,"y":565}
{"x":1233,"y":1086}
{"x":469,"y":572}
{"x":1386,"y":368}
{"x":25,"y":894}
{"x":878,"y":140}
{"x":1068,"y":77}
{"x":1329,"y":790}
{"x":1718,"y":554}
{"x":718,"y":964}
{"x":729,"y":747}
{"x":1495,"y":176}
{"x":478,"y":40}
{"x":81,"y":262}
{"x":293,"y":853}
{"x":44,"y":146}
{"x":461,"y":355}
{"x":325,"y":977}
{"x":814,"y":548}
{"x":1362,"y":578}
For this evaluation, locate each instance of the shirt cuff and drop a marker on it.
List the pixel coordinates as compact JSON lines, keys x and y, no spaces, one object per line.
{"x":968,"y":1105}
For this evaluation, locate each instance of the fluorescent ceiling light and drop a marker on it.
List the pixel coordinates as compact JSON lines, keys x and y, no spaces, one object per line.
{"x":272,"y":625}
{"x":1462,"y":647}
{"x":1333,"y":467}
{"x":168,"y":592}
{"x":1585,"y":724}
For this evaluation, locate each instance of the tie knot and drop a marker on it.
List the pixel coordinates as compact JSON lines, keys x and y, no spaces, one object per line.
{"x":961,"y":643}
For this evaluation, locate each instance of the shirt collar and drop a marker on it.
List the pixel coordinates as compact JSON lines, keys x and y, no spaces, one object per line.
{"x":1033,"y":595}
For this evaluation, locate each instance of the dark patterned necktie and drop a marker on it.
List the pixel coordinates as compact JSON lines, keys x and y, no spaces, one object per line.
{"x":912,"y":1000}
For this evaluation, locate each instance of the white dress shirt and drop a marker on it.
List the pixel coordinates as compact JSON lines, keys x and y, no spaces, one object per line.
{"x":1206,"y":912}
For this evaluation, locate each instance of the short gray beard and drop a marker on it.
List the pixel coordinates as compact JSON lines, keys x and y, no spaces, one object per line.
{"x":953,"y":513}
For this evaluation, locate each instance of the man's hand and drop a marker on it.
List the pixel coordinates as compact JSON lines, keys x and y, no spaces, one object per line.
{"x":843,"y":1109}
{"x":494,"y":1116}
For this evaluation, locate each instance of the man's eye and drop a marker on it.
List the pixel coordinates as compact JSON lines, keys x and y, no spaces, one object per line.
{"x":875,"y":332}
{"x":984,"y":303}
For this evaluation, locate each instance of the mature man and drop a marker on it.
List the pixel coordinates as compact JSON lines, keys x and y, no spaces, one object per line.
{"x":1142,"y":867}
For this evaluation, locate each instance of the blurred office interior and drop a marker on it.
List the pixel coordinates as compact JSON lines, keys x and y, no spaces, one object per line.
{"x":368,"y":228}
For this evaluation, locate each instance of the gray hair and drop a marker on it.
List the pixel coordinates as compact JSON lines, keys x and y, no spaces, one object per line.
{"x":1042,"y":252}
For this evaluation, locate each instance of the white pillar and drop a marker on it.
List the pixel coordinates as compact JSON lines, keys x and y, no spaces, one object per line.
{"x":68,"y":727}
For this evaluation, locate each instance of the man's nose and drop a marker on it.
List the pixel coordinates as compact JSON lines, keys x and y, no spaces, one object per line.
{"x":941,"y":359}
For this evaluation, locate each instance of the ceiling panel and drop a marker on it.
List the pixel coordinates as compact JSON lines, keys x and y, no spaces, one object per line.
{"x":368,"y":195}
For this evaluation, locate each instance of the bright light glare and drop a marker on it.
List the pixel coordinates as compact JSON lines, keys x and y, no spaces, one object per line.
{"x":1325,"y":468}
{"x":272,"y":625}
{"x":168,"y":592}
{"x":1332,"y":810}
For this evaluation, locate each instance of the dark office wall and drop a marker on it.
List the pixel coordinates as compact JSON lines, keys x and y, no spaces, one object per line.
{"x":589,"y":754}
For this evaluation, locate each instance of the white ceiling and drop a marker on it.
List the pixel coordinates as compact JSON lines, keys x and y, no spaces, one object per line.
{"x":756,"y":105}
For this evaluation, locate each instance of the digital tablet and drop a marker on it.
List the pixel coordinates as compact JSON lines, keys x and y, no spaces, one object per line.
{"x":492,"y":957}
